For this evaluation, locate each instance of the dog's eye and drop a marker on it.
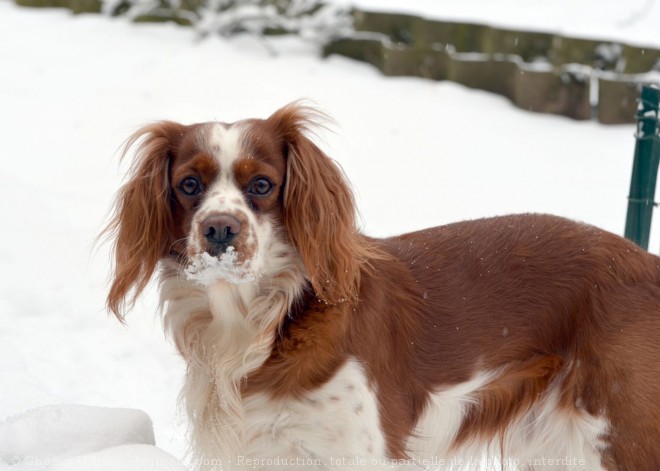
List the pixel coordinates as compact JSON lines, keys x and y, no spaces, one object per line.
{"x":190,"y":186}
{"x":260,"y":186}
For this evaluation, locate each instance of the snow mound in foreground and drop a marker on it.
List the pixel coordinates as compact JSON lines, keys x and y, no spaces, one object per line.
{"x":76,"y":437}
{"x":67,"y":430}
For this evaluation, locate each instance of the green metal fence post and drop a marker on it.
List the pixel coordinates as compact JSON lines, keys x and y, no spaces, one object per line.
{"x":645,"y":168}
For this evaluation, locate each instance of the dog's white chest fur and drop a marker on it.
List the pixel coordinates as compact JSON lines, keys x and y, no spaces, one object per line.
{"x":329,"y":427}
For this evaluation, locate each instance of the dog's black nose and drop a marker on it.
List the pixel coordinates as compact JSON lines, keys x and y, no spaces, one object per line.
{"x":220,"y":229}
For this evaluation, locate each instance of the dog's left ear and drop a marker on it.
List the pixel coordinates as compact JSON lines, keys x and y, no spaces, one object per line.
{"x":319,"y":209}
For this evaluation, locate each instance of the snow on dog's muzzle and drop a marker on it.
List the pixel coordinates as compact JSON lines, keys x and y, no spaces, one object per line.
{"x":221,"y":247}
{"x":206,"y":269}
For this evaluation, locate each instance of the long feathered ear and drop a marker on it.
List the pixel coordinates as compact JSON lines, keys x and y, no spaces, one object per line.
{"x":319,"y":209}
{"x":142,"y":222}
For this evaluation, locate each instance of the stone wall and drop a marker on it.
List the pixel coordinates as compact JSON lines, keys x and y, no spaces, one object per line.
{"x":542,"y":72}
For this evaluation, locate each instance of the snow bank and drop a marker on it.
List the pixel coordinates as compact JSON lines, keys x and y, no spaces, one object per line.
{"x":76,"y":437}
{"x":67,"y":430}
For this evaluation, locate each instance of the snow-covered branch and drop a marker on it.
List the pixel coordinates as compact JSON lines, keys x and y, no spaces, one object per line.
{"x":311,"y":19}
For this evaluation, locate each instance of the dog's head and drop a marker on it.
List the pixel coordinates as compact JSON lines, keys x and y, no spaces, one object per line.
{"x":235,"y":202}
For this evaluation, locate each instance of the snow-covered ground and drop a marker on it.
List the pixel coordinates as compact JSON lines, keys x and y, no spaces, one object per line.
{"x":419,"y":153}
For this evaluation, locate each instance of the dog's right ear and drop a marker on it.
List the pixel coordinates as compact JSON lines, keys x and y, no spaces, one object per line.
{"x":141,"y":226}
{"x":319,"y":209}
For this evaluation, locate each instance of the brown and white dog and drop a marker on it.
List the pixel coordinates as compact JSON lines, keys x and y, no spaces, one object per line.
{"x":528,"y":340}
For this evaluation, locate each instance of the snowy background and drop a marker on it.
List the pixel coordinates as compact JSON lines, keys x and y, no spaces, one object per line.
{"x":418,"y":153}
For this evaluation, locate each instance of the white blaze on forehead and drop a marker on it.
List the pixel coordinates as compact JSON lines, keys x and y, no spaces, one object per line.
{"x":225,"y":143}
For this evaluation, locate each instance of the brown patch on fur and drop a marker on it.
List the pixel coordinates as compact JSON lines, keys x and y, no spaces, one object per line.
{"x":203,"y":166}
{"x":510,"y":394}
{"x":307,"y":352}
{"x":246,"y":170}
